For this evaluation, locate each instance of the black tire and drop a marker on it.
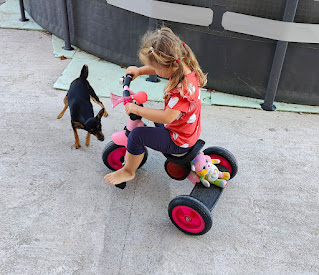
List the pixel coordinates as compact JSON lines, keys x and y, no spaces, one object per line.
{"x":228,"y":156}
{"x":117,"y":164}
{"x":201,"y":220}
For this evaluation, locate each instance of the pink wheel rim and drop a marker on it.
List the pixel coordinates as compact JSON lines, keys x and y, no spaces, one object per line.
{"x":223,"y":162}
{"x":188,"y":219}
{"x":114,"y":158}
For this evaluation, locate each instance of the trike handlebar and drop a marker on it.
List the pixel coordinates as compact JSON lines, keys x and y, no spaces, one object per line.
{"x":126,"y":85}
{"x":129,"y":96}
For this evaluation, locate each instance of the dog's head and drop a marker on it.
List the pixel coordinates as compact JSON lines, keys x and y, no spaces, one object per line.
{"x":93,"y":126}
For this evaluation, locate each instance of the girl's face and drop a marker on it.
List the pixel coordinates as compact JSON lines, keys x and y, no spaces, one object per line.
{"x":162,"y":71}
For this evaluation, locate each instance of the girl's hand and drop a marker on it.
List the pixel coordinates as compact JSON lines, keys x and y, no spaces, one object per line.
{"x":131,"y":108}
{"x":133,"y":70}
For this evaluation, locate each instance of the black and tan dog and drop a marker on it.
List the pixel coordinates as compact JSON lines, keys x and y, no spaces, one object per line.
{"x":81,"y":109}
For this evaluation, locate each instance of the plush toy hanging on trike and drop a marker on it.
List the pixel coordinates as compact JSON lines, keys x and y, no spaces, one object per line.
{"x":208,"y":170}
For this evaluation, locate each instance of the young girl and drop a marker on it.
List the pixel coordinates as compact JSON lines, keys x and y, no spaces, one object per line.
{"x":178,"y":126}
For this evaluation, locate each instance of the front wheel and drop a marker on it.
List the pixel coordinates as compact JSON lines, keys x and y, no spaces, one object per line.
{"x":113,"y":156}
{"x":190,"y":215}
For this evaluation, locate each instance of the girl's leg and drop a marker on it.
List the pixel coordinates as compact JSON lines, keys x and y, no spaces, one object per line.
{"x":159,"y":125}
{"x":157,"y":138}
{"x":127,"y":172}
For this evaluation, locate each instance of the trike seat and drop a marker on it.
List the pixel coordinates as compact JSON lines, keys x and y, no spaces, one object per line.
{"x":188,"y":156}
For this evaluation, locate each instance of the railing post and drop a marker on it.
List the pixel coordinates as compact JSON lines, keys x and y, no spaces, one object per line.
{"x":65,"y":23}
{"x":23,"y":18}
{"x":279,"y":58}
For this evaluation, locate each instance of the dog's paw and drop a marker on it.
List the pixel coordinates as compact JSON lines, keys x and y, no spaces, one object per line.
{"x":59,"y":116}
{"x":105,"y":113}
{"x":76,"y":146}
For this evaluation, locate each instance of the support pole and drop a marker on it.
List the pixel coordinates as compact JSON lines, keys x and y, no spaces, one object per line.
{"x":23,"y":18}
{"x":66,"y":30}
{"x":279,"y":58}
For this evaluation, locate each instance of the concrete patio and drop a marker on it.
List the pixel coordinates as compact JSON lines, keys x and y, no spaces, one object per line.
{"x":59,"y":216}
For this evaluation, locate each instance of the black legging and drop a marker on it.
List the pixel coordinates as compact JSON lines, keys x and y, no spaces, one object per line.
{"x":157,"y":138}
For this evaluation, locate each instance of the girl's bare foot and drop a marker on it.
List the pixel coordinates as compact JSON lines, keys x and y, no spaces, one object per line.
{"x":119,"y":176}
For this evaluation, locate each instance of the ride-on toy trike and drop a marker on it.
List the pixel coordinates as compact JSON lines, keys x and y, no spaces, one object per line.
{"x":189,"y":213}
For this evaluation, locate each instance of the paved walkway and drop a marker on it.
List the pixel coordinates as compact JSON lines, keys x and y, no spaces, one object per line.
{"x":58,"y":216}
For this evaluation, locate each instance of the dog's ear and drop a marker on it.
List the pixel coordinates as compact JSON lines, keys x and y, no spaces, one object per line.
{"x":78,"y":125}
{"x":100,"y":114}
{"x":84,"y":72}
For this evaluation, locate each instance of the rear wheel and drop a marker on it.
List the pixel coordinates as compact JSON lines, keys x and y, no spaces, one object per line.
{"x":227,"y":159}
{"x":113,"y":156}
{"x":177,"y":171}
{"x":190,"y":215}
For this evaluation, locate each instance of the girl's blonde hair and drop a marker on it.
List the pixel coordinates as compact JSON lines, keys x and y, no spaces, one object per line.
{"x":164,"y":48}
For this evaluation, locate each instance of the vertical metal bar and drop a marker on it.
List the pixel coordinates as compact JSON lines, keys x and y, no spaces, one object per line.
{"x":152,"y":26}
{"x":218,"y":11}
{"x":278,"y":61}
{"x":65,"y":23}
{"x":23,"y":18}
{"x":274,"y":77}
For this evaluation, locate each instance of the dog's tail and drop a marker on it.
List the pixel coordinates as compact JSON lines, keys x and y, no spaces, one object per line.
{"x":84,"y":72}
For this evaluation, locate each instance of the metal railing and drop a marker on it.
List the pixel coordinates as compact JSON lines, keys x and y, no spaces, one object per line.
{"x":23,"y":18}
{"x":278,"y":61}
{"x":65,"y":22}
{"x":279,"y":56}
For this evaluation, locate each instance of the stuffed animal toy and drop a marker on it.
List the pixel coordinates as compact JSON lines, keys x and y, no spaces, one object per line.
{"x":208,"y":173}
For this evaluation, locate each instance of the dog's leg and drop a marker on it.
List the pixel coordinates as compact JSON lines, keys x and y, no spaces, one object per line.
{"x":97,"y":101}
{"x":66,"y":105}
{"x":76,"y":125}
{"x":87,"y":142}
{"x":77,"y":144}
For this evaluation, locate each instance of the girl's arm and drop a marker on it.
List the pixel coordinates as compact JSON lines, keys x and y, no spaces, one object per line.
{"x":146,"y":70}
{"x":135,"y":71}
{"x":160,"y":116}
